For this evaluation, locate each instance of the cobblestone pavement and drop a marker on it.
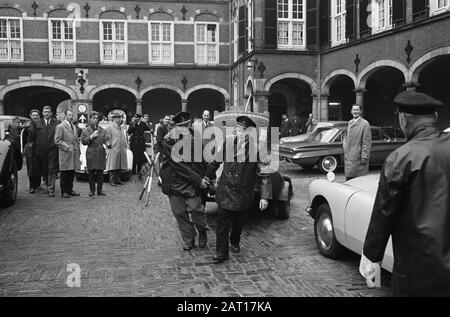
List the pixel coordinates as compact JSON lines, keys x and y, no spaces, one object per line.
{"x":127,"y":249}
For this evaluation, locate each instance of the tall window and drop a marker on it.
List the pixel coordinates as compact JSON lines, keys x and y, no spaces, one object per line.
{"x":207,"y":43}
{"x":338,"y":21}
{"x":439,"y":6}
{"x":442,"y":4}
{"x":11,"y":47}
{"x":236,"y":37}
{"x":235,"y":93}
{"x":62,"y":41}
{"x":113,"y":43}
{"x":250,"y":13}
{"x":161,"y":43}
{"x":291,"y":23}
{"x":383,"y":14}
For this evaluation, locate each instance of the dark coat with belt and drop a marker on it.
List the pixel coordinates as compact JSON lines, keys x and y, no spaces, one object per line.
{"x":95,"y":152}
{"x":180,"y":178}
{"x":239,"y":178}
{"x":137,"y":141}
{"x":43,"y":137}
{"x":413,"y":205}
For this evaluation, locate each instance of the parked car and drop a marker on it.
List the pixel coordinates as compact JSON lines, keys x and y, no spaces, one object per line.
{"x":10,"y":159}
{"x":341,"y":213}
{"x":324,"y":148}
{"x":447,"y":130}
{"x":318,"y":125}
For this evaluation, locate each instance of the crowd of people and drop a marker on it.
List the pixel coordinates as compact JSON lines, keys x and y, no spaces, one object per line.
{"x":291,"y":126}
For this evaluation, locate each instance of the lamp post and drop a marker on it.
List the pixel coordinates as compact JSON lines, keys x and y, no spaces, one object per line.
{"x":81,"y":81}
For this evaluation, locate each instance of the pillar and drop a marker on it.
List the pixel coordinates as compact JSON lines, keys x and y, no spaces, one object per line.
{"x":184,"y":103}
{"x":139,"y":106}
{"x":2,"y":107}
{"x":360,"y":98}
{"x":261,"y":102}
{"x":324,"y":108}
{"x":315,"y":107}
{"x":409,"y":12}
{"x":411,"y":86}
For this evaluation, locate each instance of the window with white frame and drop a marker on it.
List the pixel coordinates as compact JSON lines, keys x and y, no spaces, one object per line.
{"x":338,"y":22}
{"x":291,"y":23}
{"x":161,"y":43}
{"x":207,"y":43}
{"x":235,"y":38}
{"x":113,"y":44}
{"x":250,"y":13}
{"x":62,"y":41}
{"x":235,"y":94}
{"x":11,"y":45}
{"x":383,"y":15}
{"x":439,"y":6}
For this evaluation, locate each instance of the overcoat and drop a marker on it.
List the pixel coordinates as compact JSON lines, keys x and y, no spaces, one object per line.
{"x":413,"y":205}
{"x":66,"y":138}
{"x":95,"y":153}
{"x":137,"y":141}
{"x":116,"y":158}
{"x":357,"y":145}
{"x":45,"y":149}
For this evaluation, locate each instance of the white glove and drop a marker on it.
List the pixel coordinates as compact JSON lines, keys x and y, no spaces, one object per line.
{"x":370,"y":271}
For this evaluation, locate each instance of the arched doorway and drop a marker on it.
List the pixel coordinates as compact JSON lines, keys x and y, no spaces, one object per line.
{"x":205,"y":99}
{"x":382,"y":85}
{"x":114,"y":98}
{"x":297,"y":100}
{"x":159,"y":102}
{"x":434,"y":80}
{"x":21,"y":101}
{"x":341,"y":98}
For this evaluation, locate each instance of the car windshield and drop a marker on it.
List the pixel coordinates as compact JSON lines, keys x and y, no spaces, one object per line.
{"x":323,"y":135}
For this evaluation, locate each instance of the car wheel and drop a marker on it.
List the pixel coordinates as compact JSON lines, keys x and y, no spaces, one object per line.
{"x":324,"y":234}
{"x":328,"y":163}
{"x":9,"y":194}
{"x":283,"y":210}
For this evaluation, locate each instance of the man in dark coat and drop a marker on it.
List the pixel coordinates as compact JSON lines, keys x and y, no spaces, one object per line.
{"x":284,"y":126}
{"x":161,"y":131}
{"x":46,"y":151}
{"x":412,"y":204}
{"x":137,"y":142}
{"x":29,"y":150}
{"x":94,"y":136}
{"x":295,"y":126}
{"x":236,"y":187}
{"x":183,"y":182}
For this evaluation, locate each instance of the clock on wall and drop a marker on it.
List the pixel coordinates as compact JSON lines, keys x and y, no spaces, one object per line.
{"x":82,"y":108}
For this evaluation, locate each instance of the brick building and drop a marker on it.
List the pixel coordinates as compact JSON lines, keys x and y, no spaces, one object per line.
{"x":281,"y":56}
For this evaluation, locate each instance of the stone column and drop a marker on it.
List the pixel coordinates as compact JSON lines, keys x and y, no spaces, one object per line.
{"x":261,"y":102}
{"x":139,"y":106}
{"x":409,"y":12}
{"x":184,"y":103}
{"x":360,"y":98}
{"x":2,"y":107}
{"x":324,"y":108}
{"x":315,"y":107}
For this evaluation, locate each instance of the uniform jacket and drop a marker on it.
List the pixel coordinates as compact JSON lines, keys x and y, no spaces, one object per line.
{"x":95,"y":153}
{"x":137,"y":140}
{"x":357,"y":146}
{"x":413,"y":205}
{"x":236,"y":186}
{"x":180,"y":178}
{"x":66,"y":138}
{"x":117,"y":156}
{"x":295,"y":126}
{"x":43,"y":137}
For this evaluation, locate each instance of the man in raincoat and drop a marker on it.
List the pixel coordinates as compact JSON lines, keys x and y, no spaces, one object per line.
{"x":116,"y":160}
{"x":357,"y":145}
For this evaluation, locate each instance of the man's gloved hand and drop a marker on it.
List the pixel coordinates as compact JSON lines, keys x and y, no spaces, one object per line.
{"x":370,"y":271}
{"x":263,"y":203}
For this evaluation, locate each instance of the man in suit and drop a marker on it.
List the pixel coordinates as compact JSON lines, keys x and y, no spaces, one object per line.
{"x":117,"y":156}
{"x":136,"y":131}
{"x":46,"y":151}
{"x":66,"y":138}
{"x":29,"y":150}
{"x":295,"y":126}
{"x":201,"y":125}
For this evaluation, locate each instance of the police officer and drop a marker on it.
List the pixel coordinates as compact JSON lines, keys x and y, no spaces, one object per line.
{"x":412,"y":204}
{"x":236,"y":188}
{"x":183,"y":182}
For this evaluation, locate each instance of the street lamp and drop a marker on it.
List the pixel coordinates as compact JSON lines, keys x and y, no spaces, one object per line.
{"x":251,"y":65}
{"x":81,"y":81}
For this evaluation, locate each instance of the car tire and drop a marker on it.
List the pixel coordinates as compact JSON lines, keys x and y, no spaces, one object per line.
{"x":283,"y":210}
{"x":324,"y":234}
{"x":328,"y":163}
{"x":9,"y":194}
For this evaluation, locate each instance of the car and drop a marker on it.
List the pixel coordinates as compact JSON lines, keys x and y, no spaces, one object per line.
{"x":83,"y":173}
{"x":447,"y":130}
{"x":321,"y":124}
{"x":324,"y":148}
{"x":341,"y":213}
{"x":10,"y":159}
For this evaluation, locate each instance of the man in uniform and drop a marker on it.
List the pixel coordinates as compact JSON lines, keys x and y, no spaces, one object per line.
{"x":236,"y":188}
{"x":357,"y":144}
{"x":183,"y":182}
{"x":412,"y":204}
{"x":46,"y":151}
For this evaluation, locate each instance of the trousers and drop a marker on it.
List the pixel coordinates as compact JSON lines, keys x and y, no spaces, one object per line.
{"x":66,"y":181}
{"x":228,"y":220}
{"x":95,"y":176}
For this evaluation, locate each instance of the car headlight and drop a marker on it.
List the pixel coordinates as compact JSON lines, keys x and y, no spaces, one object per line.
{"x":297,"y":156}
